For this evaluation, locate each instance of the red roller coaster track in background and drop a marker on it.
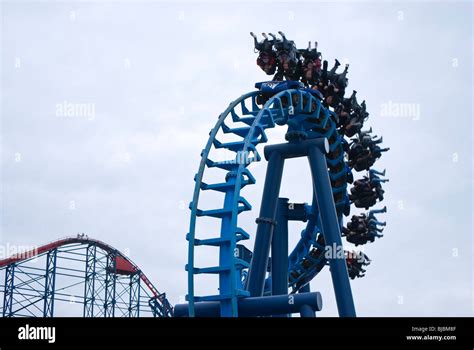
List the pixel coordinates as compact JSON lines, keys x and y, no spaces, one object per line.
{"x":122,"y":266}
{"x":126,"y":265}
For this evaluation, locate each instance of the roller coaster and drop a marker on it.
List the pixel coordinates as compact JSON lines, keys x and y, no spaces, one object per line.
{"x":79,"y":276}
{"x":323,"y":126}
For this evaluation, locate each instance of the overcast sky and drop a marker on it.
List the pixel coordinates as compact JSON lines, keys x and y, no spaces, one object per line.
{"x":154,"y":76}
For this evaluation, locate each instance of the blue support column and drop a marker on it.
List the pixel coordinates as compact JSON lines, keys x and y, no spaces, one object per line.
{"x":315,"y":150}
{"x":279,"y":270}
{"x":331,"y":230}
{"x":89,"y":282}
{"x":50,"y":282}
{"x":266,"y":224}
{"x":134,"y":292}
{"x":110,"y":284}
{"x":9,"y":290}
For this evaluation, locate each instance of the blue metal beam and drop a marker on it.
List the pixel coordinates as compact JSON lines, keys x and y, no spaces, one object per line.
{"x":110,"y":284}
{"x":259,"y":306}
{"x":134,"y":292}
{"x":315,"y":150}
{"x":305,"y":289}
{"x":266,"y":224}
{"x":50,"y":282}
{"x":331,"y":230}
{"x":9,"y":290}
{"x":306,"y":311}
{"x":279,"y":261}
{"x":89,"y":282}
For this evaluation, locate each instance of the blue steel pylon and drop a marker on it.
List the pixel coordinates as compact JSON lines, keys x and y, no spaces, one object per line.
{"x":134,"y":295}
{"x":49,"y":285}
{"x":9,"y":290}
{"x":89,"y":282}
{"x":110,"y":284}
{"x":315,"y":151}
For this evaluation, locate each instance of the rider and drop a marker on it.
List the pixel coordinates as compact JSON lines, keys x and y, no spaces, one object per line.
{"x":288,"y":58}
{"x":311,"y":66}
{"x":267,"y":58}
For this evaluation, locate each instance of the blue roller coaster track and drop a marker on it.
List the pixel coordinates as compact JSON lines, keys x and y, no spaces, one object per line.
{"x":306,"y":118}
